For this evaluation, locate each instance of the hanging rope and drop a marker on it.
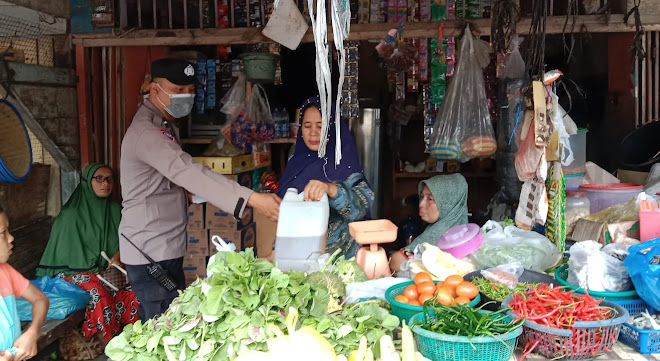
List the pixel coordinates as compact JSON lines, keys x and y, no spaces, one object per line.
{"x":572,"y":12}
{"x":637,"y":49}
{"x":323,"y":77}
{"x":536,"y":59}
{"x":503,"y":25}
{"x":341,"y":26}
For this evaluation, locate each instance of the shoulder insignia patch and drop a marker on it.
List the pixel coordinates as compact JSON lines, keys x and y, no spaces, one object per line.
{"x":168,"y":135}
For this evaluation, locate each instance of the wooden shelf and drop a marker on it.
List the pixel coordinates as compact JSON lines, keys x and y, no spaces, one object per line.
{"x":375,"y":31}
{"x":282,"y":141}
{"x":197,"y":140}
{"x":425,"y":175}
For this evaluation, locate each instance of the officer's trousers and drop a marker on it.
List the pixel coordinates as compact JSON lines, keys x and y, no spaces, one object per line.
{"x":153,"y":297}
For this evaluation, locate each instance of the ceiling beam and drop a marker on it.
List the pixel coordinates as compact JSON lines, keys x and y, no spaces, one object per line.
{"x":373,"y":31}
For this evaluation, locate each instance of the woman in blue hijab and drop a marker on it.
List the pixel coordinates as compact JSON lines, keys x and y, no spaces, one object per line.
{"x":349,"y":195}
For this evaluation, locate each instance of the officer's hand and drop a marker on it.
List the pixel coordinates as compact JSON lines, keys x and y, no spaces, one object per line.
{"x":267,"y":204}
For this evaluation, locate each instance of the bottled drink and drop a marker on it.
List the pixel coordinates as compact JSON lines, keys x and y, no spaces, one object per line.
{"x":277,"y":122}
{"x":286,"y":125}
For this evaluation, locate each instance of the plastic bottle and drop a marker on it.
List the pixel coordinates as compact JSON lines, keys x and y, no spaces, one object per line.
{"x":277,"y":122}
{"x":285,"y":122}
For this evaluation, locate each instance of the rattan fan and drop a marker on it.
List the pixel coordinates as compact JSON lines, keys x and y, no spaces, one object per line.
{"x":15,"y":147}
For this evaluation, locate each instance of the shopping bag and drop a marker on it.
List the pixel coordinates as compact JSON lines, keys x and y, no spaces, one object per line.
{"x":64,"y":298}
{"x":643,"y":264}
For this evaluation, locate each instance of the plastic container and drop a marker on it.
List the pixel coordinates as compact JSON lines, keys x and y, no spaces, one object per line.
{"x":259,"y":67}
{"x":528,"y":276}
{"x":579,"y":147}
{"x":604,"y":195}
{"x":649,"y":225}
{"x":301,"y":232}
{"x":440,"y":347}
{"x":579,"y":341}
{"x":373,"y":258}
{"x":643,"y":340}
{"x":405,"y":311}
{"x":461,"y":240}
{"x":573,"y":181}
{"x":577,"y":206}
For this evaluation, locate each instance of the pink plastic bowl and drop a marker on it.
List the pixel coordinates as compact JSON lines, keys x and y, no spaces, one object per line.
{"x":461,"y":240}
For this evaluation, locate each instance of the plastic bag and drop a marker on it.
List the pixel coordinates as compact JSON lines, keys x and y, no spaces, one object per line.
{"x":463,"y":129}
{"x":643,"y":264}
{"x":506,"y":274}
{"x":258,"y":109}
{"x":596,"y":269}
{"x":439,"y":264}
{"x":220,"y":246}
{"x":515,"y":65}
{"x":234,"y":101}
{"x":359,"y":291}
{"x":529,"y":155}
{"x":64,"y":298}
{"x":503,"y":246}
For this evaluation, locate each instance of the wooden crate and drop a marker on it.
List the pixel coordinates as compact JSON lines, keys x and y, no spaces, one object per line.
{"x":228,"y":165}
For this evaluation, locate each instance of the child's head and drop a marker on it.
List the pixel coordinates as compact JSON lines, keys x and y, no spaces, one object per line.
{"x":6,"y":239}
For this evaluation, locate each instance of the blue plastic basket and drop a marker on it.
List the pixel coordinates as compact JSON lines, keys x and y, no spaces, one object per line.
{"x":633,"y":306}
{"x":642,"y":340}
{"x":439,"y":347}
{"x":576,"y":343}
{"x":404,"y":311}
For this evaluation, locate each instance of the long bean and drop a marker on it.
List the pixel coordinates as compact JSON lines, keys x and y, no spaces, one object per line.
{"x":462,"y":320}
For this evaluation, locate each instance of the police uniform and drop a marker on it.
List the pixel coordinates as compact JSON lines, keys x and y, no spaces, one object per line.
{"x":154,"y":172}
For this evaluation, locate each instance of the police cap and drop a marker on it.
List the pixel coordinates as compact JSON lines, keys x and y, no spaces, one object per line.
{"x":177,"y":71}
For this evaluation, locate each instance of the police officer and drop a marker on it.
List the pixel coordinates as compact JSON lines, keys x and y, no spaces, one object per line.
{"x":155,"y":174}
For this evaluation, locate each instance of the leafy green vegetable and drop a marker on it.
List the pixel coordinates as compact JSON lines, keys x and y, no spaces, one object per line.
{"x":335,"y":286}
{"x":498,"y":291}
{"x":215,"y":318}
{"x":350,"y":271}
{"x":345,"y":329}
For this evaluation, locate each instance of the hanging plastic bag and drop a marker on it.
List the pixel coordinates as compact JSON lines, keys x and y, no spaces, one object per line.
{"x":511,"y":244}
{"x":506,"y":274}
{"x":515,"y":65}
{"x":643,"y":264}
{"x":64,"y":298}
{"x":234,"y":101}
{"x":529,"y":155}
{"x":463,"y":127}
{"x":599,"y":269}
{"x":286,"y":25}
{"x":564,"y":151}
{"x":258,"y":109}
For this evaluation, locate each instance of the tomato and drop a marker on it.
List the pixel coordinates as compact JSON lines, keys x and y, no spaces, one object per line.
{"x":460,"y":300}
{"x":423,"y":277}
{"x":401,"y":298}
{"x":423,"y":297}
{"x":411,"y":292}
{"x":467,"y":289}
{"x":426,"y":287}
{"x":444,"y":297}
{"x":414,"y":303}
{"x":453,"y":281}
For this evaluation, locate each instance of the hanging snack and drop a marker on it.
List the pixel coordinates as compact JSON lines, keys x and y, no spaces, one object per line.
{"x":542,"y":123}
{"x":479,"y":146}
{"x":555,"y":228}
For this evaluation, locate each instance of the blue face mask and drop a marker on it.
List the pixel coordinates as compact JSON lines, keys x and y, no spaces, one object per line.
{"x":180,"y":104}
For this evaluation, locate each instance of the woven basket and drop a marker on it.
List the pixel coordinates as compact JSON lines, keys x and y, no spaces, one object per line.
{"x":15,"y":147}
{"x":75,"y":347}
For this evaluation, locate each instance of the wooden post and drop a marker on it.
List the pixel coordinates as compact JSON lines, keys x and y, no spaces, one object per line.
{"x":82,"y":68}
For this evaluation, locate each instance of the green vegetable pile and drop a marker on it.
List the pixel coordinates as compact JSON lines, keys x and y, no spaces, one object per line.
{"x":216,"y":318}
{"x":466,"y":321}
{"x":497,"y":291}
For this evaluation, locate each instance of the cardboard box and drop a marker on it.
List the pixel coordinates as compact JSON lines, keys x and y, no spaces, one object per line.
{"x":216,"y":218}
{"x":193,"y":267}
{"x":228,"y":165}
{"x":629,"y":176}
{"x":198,"y":242}
{"x":266,"y":231}
{"x":196,"y":216}
{"x":243,"y":238}
{"x":261,"y":159}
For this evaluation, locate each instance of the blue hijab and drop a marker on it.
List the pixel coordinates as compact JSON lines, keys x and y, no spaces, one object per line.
{"x":306,"y":165}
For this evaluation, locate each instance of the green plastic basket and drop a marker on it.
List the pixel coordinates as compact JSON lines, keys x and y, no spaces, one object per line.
{"x":404,"y":311}
{"x":438,"y":347}
{"x":561,"y":274}
{"x":259,"y":67}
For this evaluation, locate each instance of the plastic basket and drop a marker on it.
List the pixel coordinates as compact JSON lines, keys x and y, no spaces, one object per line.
{"x":644,"y":341}
{"x":561,"y":274}
{"x":633,"y":306}
{"x":404,"y":311}
{"x":439,"y":347}
{"x":578,"y":342}
{"x":259,"y":67}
